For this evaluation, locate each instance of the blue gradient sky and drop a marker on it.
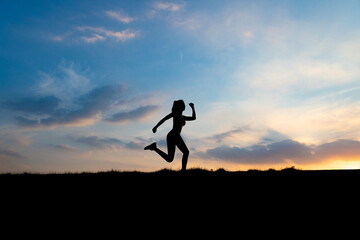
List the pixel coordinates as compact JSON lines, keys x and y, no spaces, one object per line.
{"x":275,"y":83}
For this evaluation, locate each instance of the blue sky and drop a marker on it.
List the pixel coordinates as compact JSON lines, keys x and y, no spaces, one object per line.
{"x":275,"y":83}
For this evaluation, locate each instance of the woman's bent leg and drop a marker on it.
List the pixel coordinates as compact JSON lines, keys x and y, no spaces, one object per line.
{"x":171,"y":149}
{"x":165,"y":156}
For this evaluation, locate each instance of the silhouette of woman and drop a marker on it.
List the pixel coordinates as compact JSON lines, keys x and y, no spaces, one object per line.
{"x":173,"y":138}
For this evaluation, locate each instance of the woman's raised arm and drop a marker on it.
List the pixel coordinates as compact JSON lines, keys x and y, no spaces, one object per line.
{"x":193,"y":117}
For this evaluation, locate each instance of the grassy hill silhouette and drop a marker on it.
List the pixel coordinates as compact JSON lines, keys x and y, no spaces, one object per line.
{"x":168,"y":189}
{"x":193,"y":172}
{"x":260,"y":178}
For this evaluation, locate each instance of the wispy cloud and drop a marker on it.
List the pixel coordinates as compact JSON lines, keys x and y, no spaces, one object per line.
{"x":67,"y":81}
{"x":8,"y":153}
{"x":165,"y":7}
{"x":100,"y":33}
{"x":89,"y":109}
{"x":298,"y":74}
{"x":169,"y":6}
{"x":119,"y":16}
{"x":100,"y":142}
{"x":34,"y":105}
{"x":132,"y":115}
{"x":63,"y":147}
{"x":14,"y":137}
{"x":225,"y":29}
{"x":13,"y":142}
{"x":245,"y":136}
{"x":95,"y":37}
{"x":57,"y":38}
{"x":111,"y":143}
{"x":60,"y":37}
{"x":89,"y":34}
{"x":224,"y":136}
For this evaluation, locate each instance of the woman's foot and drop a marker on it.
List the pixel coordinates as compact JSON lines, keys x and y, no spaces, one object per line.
{"x":151,"y":147}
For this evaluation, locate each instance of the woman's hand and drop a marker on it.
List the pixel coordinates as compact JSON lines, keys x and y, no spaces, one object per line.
{"x":154,"y":129}
{"x":191,"y":105}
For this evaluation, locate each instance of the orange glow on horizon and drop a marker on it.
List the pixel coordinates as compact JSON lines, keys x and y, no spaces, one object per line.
{"x":329,"y":164}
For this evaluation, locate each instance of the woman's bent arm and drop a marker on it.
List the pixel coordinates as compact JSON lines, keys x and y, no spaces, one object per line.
{"x":161,"y":122}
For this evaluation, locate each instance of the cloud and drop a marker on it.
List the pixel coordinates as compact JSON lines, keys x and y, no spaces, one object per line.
{"x":95,"y":37}
{"x":100,"y":142}
{"x":57,"y":38}
{"x":224,"y":136}
{"x":133,"y":145}
{"x":340,"y":149}
{"x":63,"y":147}
{"x":89,"y":108}
{"x":168,"y":6}
{"x":111,"y":143}
{"x":279,"y":152}
{"x":14,"y":137}
{"x":91,"y":35}
{"x":133,"y":115}
{"x":314,"y":120}
{"x":244,"y":136}
{"x":64,"y":97}
{"x":6,"y":153}
{"x":123,"y":35}
{"x":272,"y":136}
{"x":12,"y":161}
{"x":228,"y":28}
{"x":119,"y":16}
{"x":100,"y":33}
{"x":298,"y":73}
{"x":67,"y":81}
{"x":34,"y":105}
{"x":26,"y":122}
{"x":286,"y":151}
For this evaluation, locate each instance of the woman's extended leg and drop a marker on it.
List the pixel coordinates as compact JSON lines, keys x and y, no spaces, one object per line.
{"x":183,"y":148}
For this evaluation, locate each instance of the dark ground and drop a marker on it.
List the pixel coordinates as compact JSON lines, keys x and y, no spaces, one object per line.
{"x":191,"y":180}
{"x":262,"y":202}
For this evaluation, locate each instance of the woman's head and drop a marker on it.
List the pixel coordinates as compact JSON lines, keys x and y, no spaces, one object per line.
{"x":178,"y":106}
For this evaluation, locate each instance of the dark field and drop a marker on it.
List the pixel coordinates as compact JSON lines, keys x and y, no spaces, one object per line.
{"x":192,"y":179}
{"x":189,"y":194}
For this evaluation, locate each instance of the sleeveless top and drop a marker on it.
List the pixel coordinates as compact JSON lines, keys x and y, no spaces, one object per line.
{"x":179,"y":122}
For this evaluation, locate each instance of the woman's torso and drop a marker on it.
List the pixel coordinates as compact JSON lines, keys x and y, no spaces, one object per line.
{"x":178,"y":123}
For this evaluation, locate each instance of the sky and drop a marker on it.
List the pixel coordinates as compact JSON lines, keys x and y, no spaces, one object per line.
{"x":275,"y":83}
